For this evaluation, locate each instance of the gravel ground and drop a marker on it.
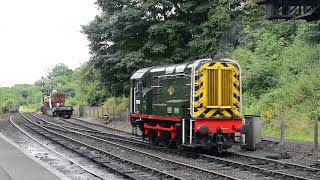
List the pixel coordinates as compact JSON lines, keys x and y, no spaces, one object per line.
{"x":197,"y":162}
{"x":300,"y":152}
{"x":83,"y":125}
{"x":101,"y":146}
{"x":158,"y":164}
{"x":121,"y":125}
{"x":264,"y":149}
{"x":52,"y":159}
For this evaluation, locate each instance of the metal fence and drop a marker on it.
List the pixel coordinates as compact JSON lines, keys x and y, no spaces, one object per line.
{"x":99,"y":112}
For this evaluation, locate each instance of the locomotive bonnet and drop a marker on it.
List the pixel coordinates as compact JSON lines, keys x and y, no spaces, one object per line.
{"x":194,"y":104}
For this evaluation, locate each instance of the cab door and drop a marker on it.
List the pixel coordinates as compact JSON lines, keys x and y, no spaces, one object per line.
{"x":135,"y":96}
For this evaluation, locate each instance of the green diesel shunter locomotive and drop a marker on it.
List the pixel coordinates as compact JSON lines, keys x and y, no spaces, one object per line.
{"x":194,"y":104}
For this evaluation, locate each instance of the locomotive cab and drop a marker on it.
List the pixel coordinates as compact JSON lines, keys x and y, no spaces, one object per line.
{"x":193,"y":104}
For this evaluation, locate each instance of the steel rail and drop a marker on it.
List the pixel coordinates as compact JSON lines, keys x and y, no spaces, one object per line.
{"x":152,"y":155}
{"x":92,"y":130}
{"x":52,"y":150}
{"x":208,"y":157}
{"x":113,"y":156}
{"x":288,"y":164}
{"x":103,"y":126}
{"x":260,"y":169}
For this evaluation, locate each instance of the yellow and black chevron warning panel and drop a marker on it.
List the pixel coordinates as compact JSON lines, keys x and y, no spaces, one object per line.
{"x":217,"y":90}
{"x":46,"y":99}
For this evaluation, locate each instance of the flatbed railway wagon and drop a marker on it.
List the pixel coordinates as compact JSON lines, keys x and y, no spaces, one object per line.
{"x":194,"y":104}
{"x":54,"y":105}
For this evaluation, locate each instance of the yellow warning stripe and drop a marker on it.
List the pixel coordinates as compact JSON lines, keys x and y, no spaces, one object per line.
{"x":226,"y":113}
{"x":236,"y":71}
{"x":235,"y":91}
{"x":198,"y":82}
{"x":235,"y":100}
{"x":202,"y":76}
{"x":204,"y":88}
{"x":199,"y":112}
{"x":197,"y":93}
{"x":210,"y":113}
{"x":204,"y":66}
{"x":196,"y":103}
{"x":235,"y":112}
{"x":235,"y":80}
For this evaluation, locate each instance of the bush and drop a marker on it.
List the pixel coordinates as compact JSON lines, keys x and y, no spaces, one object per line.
{"x":116,"y":103}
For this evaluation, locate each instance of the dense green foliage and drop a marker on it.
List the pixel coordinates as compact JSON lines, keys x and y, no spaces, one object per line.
{"x":61,"y":78}
{"x":18,"y":95}
{"x":280,"y":59}
{"x":281,"y":66}
{"x":129,"y":34}
{"x":78,"y":85}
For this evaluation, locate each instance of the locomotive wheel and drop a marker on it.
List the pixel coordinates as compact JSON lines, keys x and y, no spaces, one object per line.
{"x":180,"y":147}
{"x":166,"y":144}
{"x":153,"y":138}
{"x":153,"y":141}
{"x":169,"y":144}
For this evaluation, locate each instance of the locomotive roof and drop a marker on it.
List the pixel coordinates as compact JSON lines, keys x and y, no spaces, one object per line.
{"x":174,"y":68}
{"x":138,"y":74}
{"x":167,"y":69}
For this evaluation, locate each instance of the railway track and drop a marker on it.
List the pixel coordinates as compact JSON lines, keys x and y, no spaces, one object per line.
{"x":116,"y":164}
{"x":260,"y":165}
{"x":160,"y":166}
{"x":45,"y":146}
{"x":102,"y":133}
{"x":298,"y":169}
{"x":287,"y":169}
{"x":102,"y":126}
{"x":76,"y":121}
{"x":265,"y":139}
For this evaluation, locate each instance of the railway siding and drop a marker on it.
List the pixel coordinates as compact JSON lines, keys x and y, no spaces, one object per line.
{"x":205,"y":159}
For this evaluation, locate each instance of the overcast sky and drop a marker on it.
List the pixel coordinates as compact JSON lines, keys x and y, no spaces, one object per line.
{"x":37,"y":34}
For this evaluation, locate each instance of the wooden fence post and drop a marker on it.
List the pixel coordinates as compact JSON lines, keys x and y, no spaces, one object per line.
{"x":87,"y":112}
{"x":127,"y":113}
{"x":102,"y":112}
{"x":282,"y":128}
{"x":316,"y":143}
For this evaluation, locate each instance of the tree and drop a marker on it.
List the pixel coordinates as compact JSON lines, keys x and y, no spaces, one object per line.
{"x":60,"y":70}
{"x":129,"y":35}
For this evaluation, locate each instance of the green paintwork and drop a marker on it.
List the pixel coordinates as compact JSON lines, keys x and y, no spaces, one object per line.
{"x":162,"y":91}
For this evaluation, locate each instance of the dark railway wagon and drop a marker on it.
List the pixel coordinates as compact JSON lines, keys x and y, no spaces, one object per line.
{"x":194,"y":104}
{"x":54,"y":105}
